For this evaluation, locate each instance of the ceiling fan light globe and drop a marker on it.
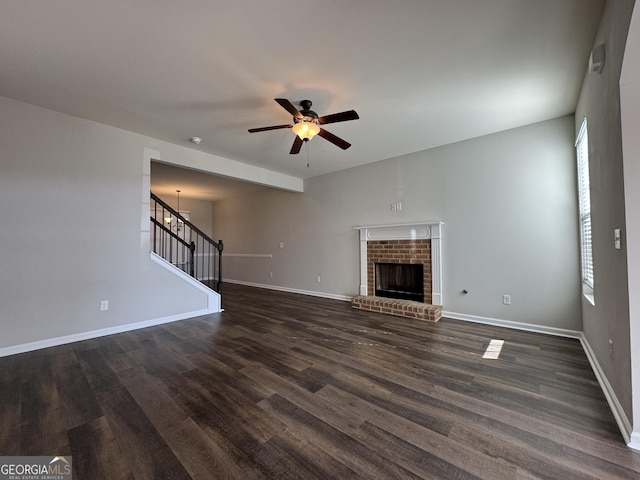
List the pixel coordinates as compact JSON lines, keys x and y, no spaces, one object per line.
{"x":306,"y":130}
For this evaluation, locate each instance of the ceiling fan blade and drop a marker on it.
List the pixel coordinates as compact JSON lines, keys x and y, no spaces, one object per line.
{"x":273,"y":127}
{"x":297,"y":145}
{"x":338,"y":117}
{"x":333,"y":139}
{"x":289,"y":107}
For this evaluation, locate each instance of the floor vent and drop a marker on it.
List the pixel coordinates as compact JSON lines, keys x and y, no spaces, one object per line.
{"x":493,"y":350}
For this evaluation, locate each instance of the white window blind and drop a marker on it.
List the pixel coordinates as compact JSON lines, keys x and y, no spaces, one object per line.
{"x":582,"y":151}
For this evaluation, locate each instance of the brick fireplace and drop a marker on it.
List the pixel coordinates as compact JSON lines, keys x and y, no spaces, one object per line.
{"x":401,"y":245}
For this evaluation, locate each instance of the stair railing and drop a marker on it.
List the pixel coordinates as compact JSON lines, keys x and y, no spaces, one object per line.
{"x":184,"y":245}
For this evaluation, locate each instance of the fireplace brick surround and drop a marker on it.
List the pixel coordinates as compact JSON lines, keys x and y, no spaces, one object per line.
{"x":400,"y":251}
{"x":414,"y":244}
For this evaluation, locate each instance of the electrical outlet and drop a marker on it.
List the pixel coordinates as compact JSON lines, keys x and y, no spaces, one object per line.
{"x":270,"y":274}
{"x":104,"y":305}
{"x":318,"y":279}
{"x":611,"y":349}
{"x":281,"y":244}
{"x":506,"y":299}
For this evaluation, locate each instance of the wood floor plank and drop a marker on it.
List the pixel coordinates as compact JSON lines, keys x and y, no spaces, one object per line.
{"x":78,"y":400}
{"x":10,"y":411}
{"x":220,"y":373}
{"x":234,"y":405}
{"x":538,"y":461}
{"x":201,"y":456}
{"x":432,"y":443}
{"x":344,"y":448}
{"x":43,"y":420}
{"x":287,"y":386}
{"x":482,"y":412}
{"x":97,"y":370}
{"x":306,"y":400}
{"x":419,"y":461}
{"x":147,"y":454}
{"x":95,"y":452}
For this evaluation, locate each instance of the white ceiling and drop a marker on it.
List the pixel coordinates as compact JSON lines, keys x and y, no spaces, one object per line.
{"x":166,"y":179}
{"x":420,"y":73}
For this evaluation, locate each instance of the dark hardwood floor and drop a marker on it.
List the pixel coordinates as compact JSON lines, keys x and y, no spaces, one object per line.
{"x":286,"y":386}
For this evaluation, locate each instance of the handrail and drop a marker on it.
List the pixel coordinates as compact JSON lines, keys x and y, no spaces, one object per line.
{"x":187,"y":222}
{"x":179,"y":242}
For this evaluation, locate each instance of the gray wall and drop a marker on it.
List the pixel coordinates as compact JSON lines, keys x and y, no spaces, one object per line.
{"x":71,"y":193}
{"x":600,"y":103}
{"x":509,"y":205}
{"x":630,"y":113}
{"x":200,"y":211}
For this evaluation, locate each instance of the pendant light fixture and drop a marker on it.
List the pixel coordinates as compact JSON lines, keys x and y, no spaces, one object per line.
{"x":174,"y":223}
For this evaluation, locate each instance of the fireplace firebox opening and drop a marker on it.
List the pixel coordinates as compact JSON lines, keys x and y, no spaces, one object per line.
{"x":403,"y":281}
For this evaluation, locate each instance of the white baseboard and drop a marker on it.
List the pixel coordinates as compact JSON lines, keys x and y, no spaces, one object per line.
{"x":77,"y":337}
{"x":312,"y":293}
{"x":529,"y":327}
{"x":614,"y":404}
{"x":635,"y":441}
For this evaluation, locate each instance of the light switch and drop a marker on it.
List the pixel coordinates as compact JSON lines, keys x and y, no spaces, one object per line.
{"x":616,"y":238}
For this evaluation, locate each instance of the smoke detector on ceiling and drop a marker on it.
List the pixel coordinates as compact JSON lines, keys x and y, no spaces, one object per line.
{"x":195,"y":140}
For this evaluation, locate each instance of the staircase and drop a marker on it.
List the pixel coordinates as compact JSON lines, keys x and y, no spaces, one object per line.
{"x":182,"y":244}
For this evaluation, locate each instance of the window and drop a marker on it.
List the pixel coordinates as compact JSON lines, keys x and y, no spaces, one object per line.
{"x":582,"y":151}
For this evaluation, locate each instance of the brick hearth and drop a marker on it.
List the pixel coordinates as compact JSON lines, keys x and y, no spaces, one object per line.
{"x":401,"y":308}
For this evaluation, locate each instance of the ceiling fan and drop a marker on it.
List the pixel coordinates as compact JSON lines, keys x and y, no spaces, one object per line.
{"x":306,"y":124}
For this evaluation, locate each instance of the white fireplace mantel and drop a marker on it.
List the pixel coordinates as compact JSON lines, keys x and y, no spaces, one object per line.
{"x":408,"y":231}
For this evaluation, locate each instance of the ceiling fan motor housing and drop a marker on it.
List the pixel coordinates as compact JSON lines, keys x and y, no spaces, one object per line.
{"x":308,"y":115}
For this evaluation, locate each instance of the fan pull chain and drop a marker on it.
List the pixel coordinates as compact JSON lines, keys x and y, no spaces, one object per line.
{"x":308,"y":147}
